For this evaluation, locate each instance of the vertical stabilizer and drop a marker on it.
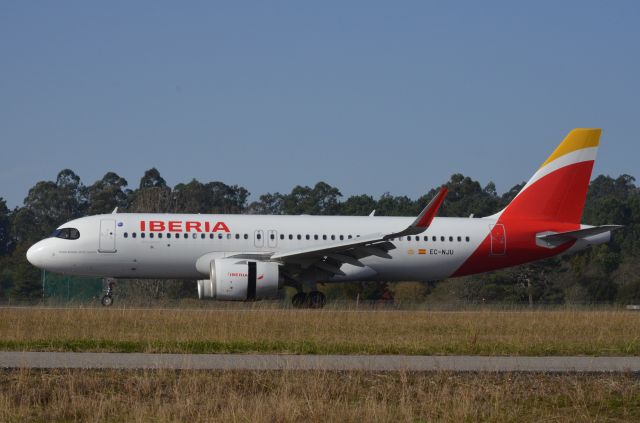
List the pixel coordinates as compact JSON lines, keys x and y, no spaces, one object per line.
{"x":558,"y":190}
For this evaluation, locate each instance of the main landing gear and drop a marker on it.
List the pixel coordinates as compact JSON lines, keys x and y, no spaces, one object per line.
{"x":314,"y":299}
{"x":107,"y":300}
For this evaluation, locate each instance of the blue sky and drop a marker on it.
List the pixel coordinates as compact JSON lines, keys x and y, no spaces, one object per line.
{"x":368,"y":96}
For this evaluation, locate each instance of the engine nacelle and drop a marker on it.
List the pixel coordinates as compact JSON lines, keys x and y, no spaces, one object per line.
{"x":240,"y":280}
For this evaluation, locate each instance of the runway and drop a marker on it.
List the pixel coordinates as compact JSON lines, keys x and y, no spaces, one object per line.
{"x":69,"y":360}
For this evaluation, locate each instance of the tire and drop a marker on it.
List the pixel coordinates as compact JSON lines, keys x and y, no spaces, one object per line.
{"x":299,"y":300}
{"x":107,"y":300}
{"x":316,"y":299}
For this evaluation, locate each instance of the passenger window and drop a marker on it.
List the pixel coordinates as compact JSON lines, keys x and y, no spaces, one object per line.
{"x":450,"y":239}
{"x":281,"y":236}
{"x":426,"y":238}
{"x":307,"y":236}
{"x":299,"y":237}
{"x":126,"y":235}
{"x":219,"y":236}
{"x":434,"y":238}
{"x":142,"y":235}
{"x":341,"y":237}
{"x":194,"y":236}
{"x":160,"y":235}
{"x":133,"y":235}
{"x":349,"y":237}
{"x":211,"y":236}
{"x":459,"y":239}
{"x":272,"y":236}
{"x":467,"y":239}
{"x":290,"y":236}
{"x":237,"y":236}
{"x":324,"y":237}
{"x":442,"y":238}
{"x":246,"y":236}
{"x":315,"y":237}
{"x":228,"y":236}
{"x":202,"y":236}
{"x":333,"y":237}
{"x":408,"y":237}
{"x":259,"y":236}
{"x":151,"y":235}
{"x":169,"y":235}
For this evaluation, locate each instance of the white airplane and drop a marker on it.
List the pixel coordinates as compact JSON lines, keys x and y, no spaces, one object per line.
{"x":247,"y":257}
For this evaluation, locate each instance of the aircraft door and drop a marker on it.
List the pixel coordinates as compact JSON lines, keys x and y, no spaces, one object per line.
{"x":107,"y":243}
{"x":258,"y":238}
{"x":272,"y":238}
{"x":498,"y":240}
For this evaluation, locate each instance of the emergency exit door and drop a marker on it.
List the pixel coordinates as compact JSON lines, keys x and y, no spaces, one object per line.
{"x":107,"y":236}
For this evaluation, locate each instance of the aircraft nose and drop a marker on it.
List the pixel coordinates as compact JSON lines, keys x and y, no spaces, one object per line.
{"x":35,"y":254}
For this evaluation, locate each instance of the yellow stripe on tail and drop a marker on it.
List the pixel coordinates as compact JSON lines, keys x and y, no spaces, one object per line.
{"x":577,"y":139}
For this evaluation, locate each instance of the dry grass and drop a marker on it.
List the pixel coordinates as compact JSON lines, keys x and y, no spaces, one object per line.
{"x":565,"y":332}
{"x":80,"y":395}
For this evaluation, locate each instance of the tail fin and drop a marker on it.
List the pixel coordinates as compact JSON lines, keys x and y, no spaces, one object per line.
{"x":557,"y":191}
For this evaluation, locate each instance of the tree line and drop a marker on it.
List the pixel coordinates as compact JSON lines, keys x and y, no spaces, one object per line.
{"x":606,"y":273}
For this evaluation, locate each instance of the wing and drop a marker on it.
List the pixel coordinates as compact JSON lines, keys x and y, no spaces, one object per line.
{"x":328,"y":258}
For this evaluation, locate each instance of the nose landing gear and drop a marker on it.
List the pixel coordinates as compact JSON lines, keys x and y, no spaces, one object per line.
{"x":107,"y":300}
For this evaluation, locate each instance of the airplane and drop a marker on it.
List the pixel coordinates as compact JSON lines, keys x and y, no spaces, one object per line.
{"x":249,"y":257}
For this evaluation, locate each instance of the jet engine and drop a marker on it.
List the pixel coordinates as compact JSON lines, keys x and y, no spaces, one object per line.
{"x":240,"y":280}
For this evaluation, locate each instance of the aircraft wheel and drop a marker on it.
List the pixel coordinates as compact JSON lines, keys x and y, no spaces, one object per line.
{"x":107,"y":300}
{"x":316,"y":299}
{"x":299,"y":300}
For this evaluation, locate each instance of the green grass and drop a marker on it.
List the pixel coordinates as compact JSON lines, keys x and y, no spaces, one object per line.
{"x":308,"y":347}
{"x":540,"y":333}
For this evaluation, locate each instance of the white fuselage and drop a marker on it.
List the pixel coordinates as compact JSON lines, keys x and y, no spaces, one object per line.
{"x":107,"y":246}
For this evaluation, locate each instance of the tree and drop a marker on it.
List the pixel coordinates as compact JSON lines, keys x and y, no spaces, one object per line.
{"x":50,"y":204}
{"x":322,"y":199}
{"x":225,"y":198}
{"x":268,"y":204}
{"x":212,"y":197}
{"x":107,"y":193}
{"x":190,"y":198}
{"x":6,"y":238}
{"x":26,"y":278}
{"x":508,"y":196}
{"x":389,"y":205}
{"x":152,"y":179}
{"x":358,"y":205}
{"x":466,"y":197}
{"x":153,"y":196}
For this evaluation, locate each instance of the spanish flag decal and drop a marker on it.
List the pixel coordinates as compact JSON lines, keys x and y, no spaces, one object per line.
{"x":422,"y":251}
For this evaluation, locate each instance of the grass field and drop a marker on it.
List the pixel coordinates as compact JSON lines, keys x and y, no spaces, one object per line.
{"x":77,"y":395}
{"x":560,"y":332}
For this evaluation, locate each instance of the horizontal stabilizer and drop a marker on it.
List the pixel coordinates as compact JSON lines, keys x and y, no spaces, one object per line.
{"x":554,"y":239}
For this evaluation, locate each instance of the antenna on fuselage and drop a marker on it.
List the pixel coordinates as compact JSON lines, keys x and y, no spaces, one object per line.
{"x":115,"y":211}
{"x":373,"y":213}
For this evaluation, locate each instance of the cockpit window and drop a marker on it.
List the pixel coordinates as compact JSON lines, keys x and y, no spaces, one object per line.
{"x":66,"y":233}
